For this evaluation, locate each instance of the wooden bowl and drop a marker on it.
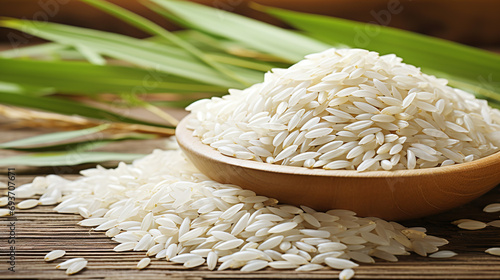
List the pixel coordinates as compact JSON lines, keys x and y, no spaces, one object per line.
{"x":392,"y":195}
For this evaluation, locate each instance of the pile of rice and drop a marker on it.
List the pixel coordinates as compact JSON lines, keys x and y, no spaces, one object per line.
{"x":349,"y":109}
{"x":339,"y":109}
{"x":162,"y":205}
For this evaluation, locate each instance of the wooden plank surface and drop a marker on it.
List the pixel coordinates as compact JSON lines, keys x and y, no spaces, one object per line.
{"x":41,"y":230}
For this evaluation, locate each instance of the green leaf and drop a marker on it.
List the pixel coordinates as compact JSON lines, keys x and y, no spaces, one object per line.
{"x":85,"y":78}
{"x":258,"y":35}
{"x":202,"y":40}
{"x":90,"y":55}
{"x":66,"y":107}
{"x":483,"y":88}
{"x":163,"y":58}
{"x":10,"y":87}
{"x":466,"y":65}
{"x":167,"y":14}
{"x":52,"y":137}
{"x":85,"y":145}
{"x":36,"y":50}
{"x":154,"y":29}
{"x":244,"y":63}
{"x":74,"y":146}
{"x":24,"y":89}
{"x":66,"y":158}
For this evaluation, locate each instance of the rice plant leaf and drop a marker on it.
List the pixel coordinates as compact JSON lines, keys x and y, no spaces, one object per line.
{"x":84,"y":145}
{"x":258,"y":35}
{"x":45,"y":51}
{"x":66,"y":158}
{"x":244,"y":63}
{"x":36,"y":50}
{"x":90,"y":55}
{"x":76,"y":146}
{"x":67,"y":107}
{"x":218,"y":49}
{"x":202,"y":40}
{"x":482,"y":88}
{"x":152,"y":55}
{"x":85,"y":78}
{"x":52,"y":137}
{"x":461,"y":63}
{"x":154,"y":29}
{"x":10,"y":87}
{"x":24,"y":89}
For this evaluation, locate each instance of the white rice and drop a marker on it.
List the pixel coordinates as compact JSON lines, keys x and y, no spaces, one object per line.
{"x":491,"y":208}
{"x":4,"y":201}
{"x":349,"y":109}
{"x":143,"y":263}
{"x":28,"y":203}
{"x":76,"y":267}
{"x":495,"y":223}
{"x":52,"y":255}
{"x":5,"y":212}
{"x":443,"y":254}
{"x":153,"y":205}
{"x":346,"y":274}
{"x":69,"y":263}
{"x":493,"y":251}
{"x":472,"y":225}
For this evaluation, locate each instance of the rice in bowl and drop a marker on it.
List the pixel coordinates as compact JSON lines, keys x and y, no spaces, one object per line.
{"x":349,"y":109}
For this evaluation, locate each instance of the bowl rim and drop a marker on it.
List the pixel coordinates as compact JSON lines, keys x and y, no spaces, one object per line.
{"x":192,"y":143}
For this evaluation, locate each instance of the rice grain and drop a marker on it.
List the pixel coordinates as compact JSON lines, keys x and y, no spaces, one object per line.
{"x":472,"y":225}
{"x":302,"y":115}
{"x":491,"y":208}
{"x":163,"y":219}
{"x":143,"y":263}
{"x":493,"y":251}
{"x":346,"y":274}
{"x":443,"y":254}
{"x":76,"y":267}
{"x":27,"y":204}
{"x":54,"y":255}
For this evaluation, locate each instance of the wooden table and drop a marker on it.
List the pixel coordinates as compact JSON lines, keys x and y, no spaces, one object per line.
{"x":41,"y":230}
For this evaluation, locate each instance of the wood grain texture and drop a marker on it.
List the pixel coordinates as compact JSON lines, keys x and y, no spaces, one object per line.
{"x":40,"y":230}
{"x":393,"y":195}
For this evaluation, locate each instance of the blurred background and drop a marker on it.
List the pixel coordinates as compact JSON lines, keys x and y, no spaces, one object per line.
{"x":472,"y":22}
